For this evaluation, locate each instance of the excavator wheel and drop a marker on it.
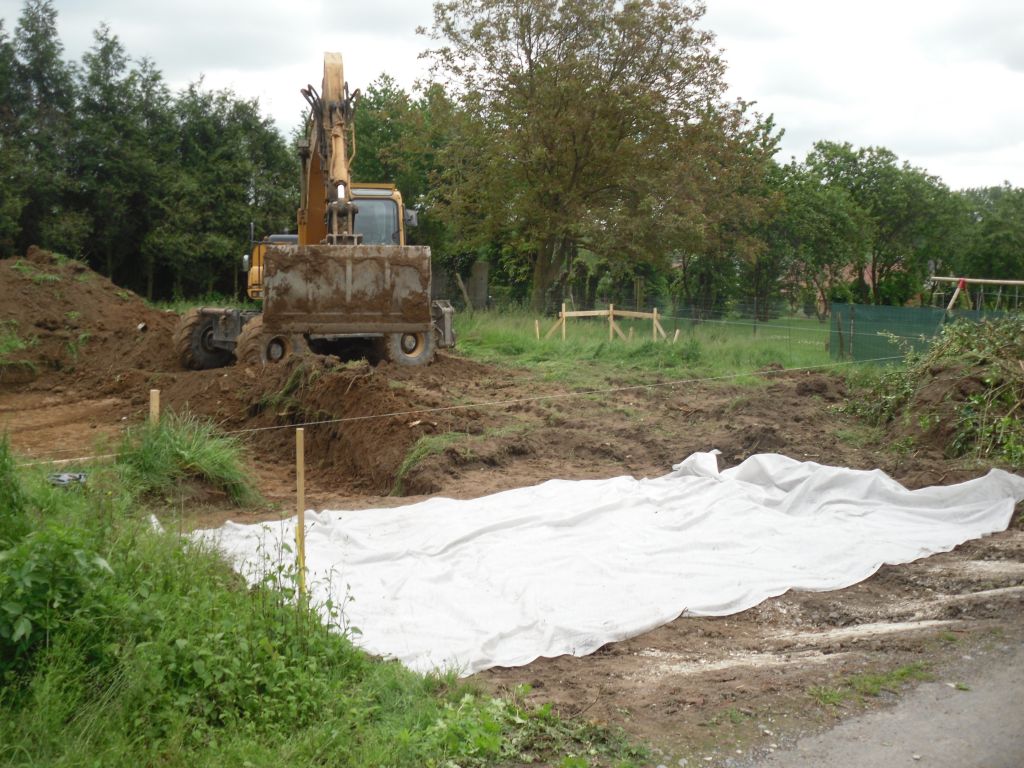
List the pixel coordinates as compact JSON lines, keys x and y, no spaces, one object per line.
{"x":193,"y":342}
{"x":257,"y":346}
{"x":410,"y":349}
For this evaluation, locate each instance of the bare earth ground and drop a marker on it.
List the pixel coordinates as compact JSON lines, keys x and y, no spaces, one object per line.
{"x":707,"y":691}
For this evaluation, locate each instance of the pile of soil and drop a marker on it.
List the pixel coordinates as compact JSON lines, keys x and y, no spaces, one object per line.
{"x":76,"y":323}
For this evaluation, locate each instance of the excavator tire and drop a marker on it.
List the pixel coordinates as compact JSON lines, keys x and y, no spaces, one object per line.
{"x":193,"y":343}
{"x":257,"y":346}
{"x":410,"y":349}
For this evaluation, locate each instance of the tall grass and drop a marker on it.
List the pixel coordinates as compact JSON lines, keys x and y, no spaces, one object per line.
{"x":703,"y":349}
{"x":156,"y":457}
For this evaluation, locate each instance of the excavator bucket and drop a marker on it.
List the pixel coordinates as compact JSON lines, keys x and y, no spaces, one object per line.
{"x":347,"y":289}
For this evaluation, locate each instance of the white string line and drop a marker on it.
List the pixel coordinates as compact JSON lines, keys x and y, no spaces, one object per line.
{"x":512,"y":401}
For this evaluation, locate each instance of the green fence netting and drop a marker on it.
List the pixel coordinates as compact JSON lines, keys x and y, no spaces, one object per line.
{"x":868,"y":332}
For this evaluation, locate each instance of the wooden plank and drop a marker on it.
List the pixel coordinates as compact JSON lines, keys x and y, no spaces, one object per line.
{"x":635,"y":315}
{"x":588,"y":313}
{"x":975,"y":280}
{"x":553,"y":328}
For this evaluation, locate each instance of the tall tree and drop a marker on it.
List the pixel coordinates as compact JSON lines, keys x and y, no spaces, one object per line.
{"x":574,"y":110}
{"x":12,"y":175}
{"x":47,"y":98}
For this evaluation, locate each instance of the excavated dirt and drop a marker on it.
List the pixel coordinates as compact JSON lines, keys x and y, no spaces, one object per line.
{"x":699,"y":689}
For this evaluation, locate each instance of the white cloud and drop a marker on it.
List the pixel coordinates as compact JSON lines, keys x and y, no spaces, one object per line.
{"x":936,"y":81}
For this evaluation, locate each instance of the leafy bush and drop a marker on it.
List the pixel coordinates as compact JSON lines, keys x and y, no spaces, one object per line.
{"x":966,"y":388}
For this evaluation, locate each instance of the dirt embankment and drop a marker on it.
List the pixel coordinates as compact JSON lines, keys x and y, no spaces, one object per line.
{"x":696,"y":688}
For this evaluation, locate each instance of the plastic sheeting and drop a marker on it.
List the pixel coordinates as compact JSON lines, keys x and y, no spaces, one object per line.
{"x":567,"y":566}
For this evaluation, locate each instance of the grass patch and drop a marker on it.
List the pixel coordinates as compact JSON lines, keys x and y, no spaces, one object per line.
{"x":870,"y":684}
{"x":11,"y":344}
{"x":154,"y":458}
{"x":428,"y":445}
{"x":122,"y":645}
{"x":828,"y":696}
{"x":588,"y":358}
{"x":34,"y":273}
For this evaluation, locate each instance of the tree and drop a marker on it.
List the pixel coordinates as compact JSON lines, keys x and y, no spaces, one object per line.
{"x":996,"y":246}
{"x":572,"y":124}
{"x":908,"y":210}
{"x":12,"y":175}
{"x":821,"y":234}
{"x":46,"y":98}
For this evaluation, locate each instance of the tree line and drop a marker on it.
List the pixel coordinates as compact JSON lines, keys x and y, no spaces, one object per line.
{"x":584,"y":148}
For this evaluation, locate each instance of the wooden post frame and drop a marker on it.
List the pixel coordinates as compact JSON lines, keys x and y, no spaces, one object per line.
{"x":300,"y":505}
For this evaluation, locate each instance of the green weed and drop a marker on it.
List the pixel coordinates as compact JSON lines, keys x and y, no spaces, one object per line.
{"x":872,"y":684}
{"x":33,"y":273}
{"x":10,"y":344}
{"x":828,"y":696}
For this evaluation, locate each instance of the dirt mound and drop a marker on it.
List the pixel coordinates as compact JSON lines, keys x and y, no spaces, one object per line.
{"x":75,"y":323}
{"x":363,"y":419}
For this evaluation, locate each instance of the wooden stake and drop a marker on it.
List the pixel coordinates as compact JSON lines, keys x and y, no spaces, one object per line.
{"x":563,"y":320}
{"x":654,"y":325}
{"x":300,"y":503}
{"x":536,"y":329}
{"x":611,"y":322}
{"x":675,"y":336}
{"x":154,"y":406}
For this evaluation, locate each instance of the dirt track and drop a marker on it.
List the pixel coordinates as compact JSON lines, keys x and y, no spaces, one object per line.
{"x":695,"y":688}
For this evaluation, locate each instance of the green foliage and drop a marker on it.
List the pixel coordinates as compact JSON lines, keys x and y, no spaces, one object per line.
{"x":157,"y":457}
{"x":123,"y":645}
{"x":986,"y":423}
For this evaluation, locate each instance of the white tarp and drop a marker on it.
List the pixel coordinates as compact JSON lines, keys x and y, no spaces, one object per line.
{"x":567,"y":566}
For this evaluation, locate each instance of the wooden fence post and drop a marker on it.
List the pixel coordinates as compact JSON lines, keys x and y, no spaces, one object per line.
{"x":300,"y":503}
{"x":154,"y":406}
{"x":563,"y":321}
{"x":611,"y":322}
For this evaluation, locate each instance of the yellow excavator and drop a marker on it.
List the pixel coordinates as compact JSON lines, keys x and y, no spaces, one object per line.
{"x":347,"y":283}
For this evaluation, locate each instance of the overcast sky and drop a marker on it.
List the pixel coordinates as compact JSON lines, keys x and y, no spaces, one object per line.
{"x":939,"y":82}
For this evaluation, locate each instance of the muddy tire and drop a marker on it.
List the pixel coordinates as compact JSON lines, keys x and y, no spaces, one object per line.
{"x":193,"y":343}
{"x":257,"y":346}
{"x":410,"y":349}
